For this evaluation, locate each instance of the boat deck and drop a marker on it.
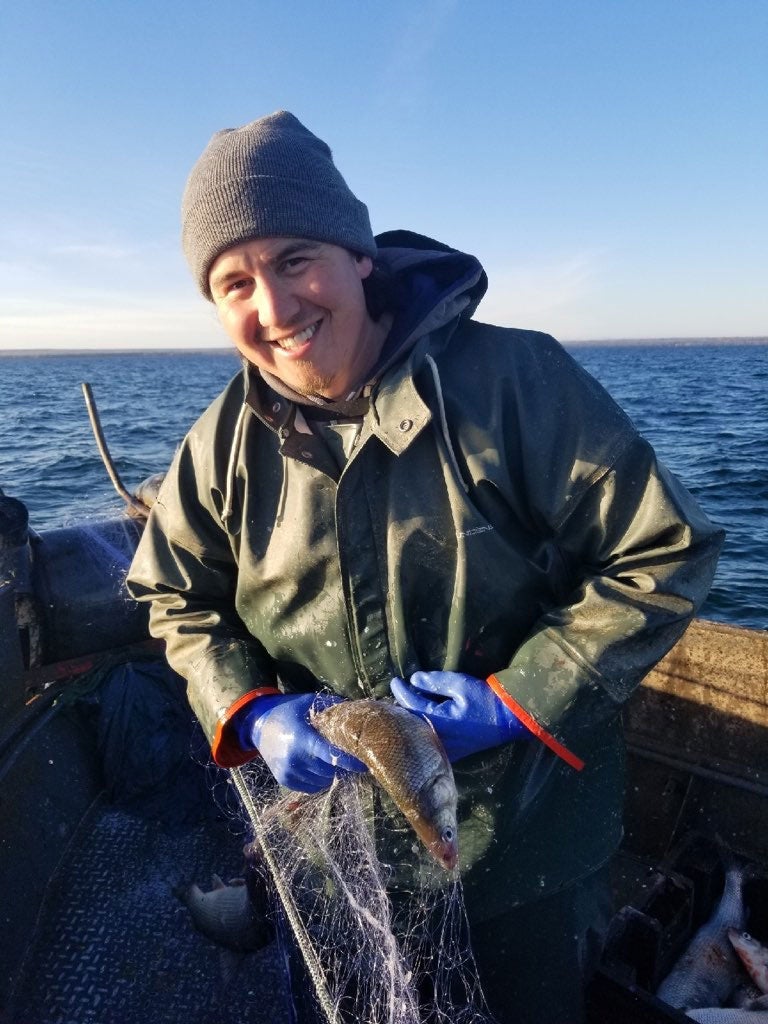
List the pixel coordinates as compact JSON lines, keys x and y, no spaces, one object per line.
{"x":114,"y":945}
{"x":95,"y":935}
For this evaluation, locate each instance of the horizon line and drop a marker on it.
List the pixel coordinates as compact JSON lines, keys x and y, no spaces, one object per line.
{"x":748,"y":339}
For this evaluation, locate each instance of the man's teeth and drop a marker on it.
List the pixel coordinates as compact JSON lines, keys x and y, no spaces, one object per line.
{"x":298,"y":339}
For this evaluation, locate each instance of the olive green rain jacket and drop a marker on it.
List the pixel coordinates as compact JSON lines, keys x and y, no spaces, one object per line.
{"x":498,"y":515}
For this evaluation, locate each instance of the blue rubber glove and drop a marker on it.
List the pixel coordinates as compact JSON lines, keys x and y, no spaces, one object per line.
{"x":465,"y":712}
{"x":295,"y":752}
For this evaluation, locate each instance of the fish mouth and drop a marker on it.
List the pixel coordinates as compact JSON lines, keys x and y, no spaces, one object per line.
{"x":447,"y":855}
{"x":444,"y":847}
{"x":442,"y":844}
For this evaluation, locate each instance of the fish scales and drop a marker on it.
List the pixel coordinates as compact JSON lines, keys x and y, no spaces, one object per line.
{"x":708,"y":969}
{"x":405,"y":756}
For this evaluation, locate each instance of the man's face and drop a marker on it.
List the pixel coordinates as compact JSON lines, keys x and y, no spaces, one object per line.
{"x":296,"y":309}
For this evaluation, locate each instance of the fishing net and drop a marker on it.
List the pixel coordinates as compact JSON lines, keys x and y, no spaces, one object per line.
{"x":374,"y":931}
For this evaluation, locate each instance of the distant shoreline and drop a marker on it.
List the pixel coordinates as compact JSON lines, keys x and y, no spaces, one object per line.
{"x":231,"y":353}
{"x":628,"y":342}
{"x":119,"y":352}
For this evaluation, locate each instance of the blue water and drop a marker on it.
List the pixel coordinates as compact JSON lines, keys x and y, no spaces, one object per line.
{"x":705,"y":410}
{"x":703,"y":407}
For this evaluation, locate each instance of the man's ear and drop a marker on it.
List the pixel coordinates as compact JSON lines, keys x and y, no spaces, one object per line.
{"x":364,"y":265}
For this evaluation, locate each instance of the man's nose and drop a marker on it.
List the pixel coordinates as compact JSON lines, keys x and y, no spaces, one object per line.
{"x":276,"y":303}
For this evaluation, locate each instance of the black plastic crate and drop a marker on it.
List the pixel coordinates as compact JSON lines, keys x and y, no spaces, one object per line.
{"x":648,"y":934}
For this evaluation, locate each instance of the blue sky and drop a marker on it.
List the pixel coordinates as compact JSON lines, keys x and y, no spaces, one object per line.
{"x":607,"y":161}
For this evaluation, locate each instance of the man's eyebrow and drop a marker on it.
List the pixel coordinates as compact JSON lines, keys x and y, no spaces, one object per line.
{"x":221,"y":279}
{"x":291,"y":248}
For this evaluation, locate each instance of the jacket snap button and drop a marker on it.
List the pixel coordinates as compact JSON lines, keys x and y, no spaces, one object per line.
{"x":405,"y":425}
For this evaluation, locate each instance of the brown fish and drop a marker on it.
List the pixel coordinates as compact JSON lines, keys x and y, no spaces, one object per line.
{"x":404,"y":754}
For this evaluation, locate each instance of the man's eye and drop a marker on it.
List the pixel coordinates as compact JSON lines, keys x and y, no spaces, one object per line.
{"x":240,"y":283}
{"x":294,"y":262}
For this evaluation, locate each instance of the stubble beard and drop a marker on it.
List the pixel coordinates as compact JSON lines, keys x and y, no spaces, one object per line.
{"x":314,"y":384}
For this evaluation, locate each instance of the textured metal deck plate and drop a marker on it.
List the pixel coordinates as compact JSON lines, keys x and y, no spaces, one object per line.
{"x":114,"y":945}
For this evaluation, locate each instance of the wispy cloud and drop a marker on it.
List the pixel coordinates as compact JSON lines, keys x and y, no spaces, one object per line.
{"x":404,"y":69}
{"x":554,"y":296}
{"x":95,"y":251}
{"x":65,"y":288}
{"x":61,"y":250}
{"x":175,"y":323}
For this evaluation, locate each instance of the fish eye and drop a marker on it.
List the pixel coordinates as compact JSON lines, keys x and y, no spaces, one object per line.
{"x":447,"y":835}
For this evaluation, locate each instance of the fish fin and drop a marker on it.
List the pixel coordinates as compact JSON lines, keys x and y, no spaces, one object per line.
{"x":229,"y":965}
{"x":735,"y":860}
{"x":187,"y":891}
{"x":217,"y":883}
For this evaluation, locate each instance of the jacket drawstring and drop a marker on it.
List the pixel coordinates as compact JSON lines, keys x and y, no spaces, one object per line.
{"x":444,"y":422}
{"x":229,"y":495}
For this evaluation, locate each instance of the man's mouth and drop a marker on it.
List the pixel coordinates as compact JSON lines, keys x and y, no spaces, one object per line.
{"x":295,"y":341}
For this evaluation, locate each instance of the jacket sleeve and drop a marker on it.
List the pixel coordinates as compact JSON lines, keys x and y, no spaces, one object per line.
{"x":185,"y":567}
{"x":642,"y":552}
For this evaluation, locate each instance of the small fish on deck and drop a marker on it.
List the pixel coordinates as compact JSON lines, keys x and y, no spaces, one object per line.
{"x":227,"y":915}
{"x":233,"y":915}
{"x":403,"y":753}
{"x":709,"y":969}
{"x":753,"y":954}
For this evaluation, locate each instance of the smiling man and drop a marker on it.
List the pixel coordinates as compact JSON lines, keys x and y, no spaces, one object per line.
{"x":295,"y":308}
{"x":395,"y":500}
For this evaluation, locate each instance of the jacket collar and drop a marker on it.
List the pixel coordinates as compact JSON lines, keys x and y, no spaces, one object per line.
{"x":398,"y":412}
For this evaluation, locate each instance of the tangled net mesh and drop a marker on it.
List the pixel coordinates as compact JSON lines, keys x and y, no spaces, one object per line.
{"x":374,"y":932}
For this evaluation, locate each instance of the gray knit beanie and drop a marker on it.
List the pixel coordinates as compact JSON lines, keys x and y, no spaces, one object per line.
{"x":271,"y":178}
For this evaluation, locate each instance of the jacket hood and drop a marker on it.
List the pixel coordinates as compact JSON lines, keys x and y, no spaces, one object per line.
{"x":438,"y":285}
